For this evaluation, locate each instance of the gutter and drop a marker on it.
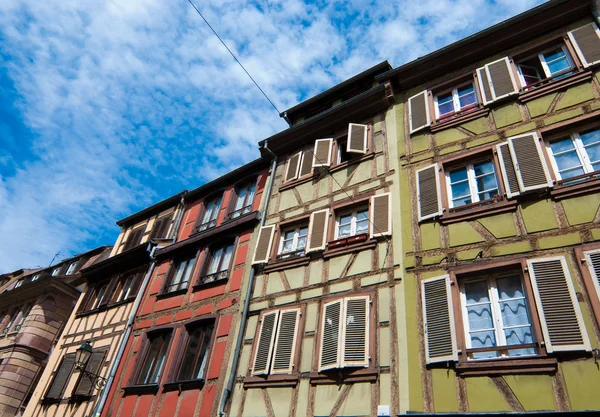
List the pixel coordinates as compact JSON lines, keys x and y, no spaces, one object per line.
{"x":240,"y":339}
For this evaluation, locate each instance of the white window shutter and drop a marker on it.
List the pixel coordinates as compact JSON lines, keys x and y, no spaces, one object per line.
{"x":285,"y":342}
{"x":292,"y":167}
{"x":264,"y":345}
{"x":355,"y":330}
{"x":438,"y":320}
{"x":331,"y":335}
{"x":557,"y":305}
{"x":381,"y":215}
{"x":507,"y":167}
{"x":418,"y":112}
{"x":262,"y":251}
{"x":593,"y":263}
{"x":529,"y":162}
{"x":322,"y":153}
{"x":357,"y":138}
{"x":317,"y":230}
{"x":429,"y":200}
{"x":484,"y":86}
{"x":502,"y":82}
{"x":586,"y":41}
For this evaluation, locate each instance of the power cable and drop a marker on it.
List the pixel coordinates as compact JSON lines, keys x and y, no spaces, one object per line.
{"x":234,"y":57}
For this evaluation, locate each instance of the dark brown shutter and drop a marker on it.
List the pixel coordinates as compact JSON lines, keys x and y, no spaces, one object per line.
{"x":135,"y":237}
{"x":61,"y":377}
{"x":322,"y":153}
{"x":161,"y":226}
{"x":357,"y":138}
{"x":331,"y":335}
{"x":501,"y":79}
{"x":285,"y":342}
{"x":317,"y":230}
{"x":381,"y":215}
{"x":484,"y":86}
{"x":293,"y":165}
{"x":264,"y":345}
{"x":586,"y":40}
{"x":306,"y":165}
{"x":356,"y":332}
{"x":556,"y":301}
{"x":418,"y":111}
{"x":428,"y":192}
{"x":438,"y":320}
{"x":84,"y":386}
{"x":509,"y":175}
{"x":263,"y":245}
{"x":137,"y":281}
{"x":530,"y":166}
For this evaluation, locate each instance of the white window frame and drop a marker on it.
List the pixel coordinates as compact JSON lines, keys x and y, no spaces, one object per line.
{"x":472,"y":181}
{"x":496,"y":314}
{"x":295,"y":239}
{"x":582,"y":154}
{"x":353,"y":221}
{"x":455,"y":99}
{"x":71,"y":268}
{"x":544,"y":64}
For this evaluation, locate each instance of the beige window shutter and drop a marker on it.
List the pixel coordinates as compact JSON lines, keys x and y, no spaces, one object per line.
{"x":331,"y":335}
{"x":438,"y":320}
{"x":557,"y":305}
{"x":593,"y":263}
{"x":502,"y":82}
{"x":484,"y":86}
{"x":355,"y":328}
{"x":306,"y":164}
{"x":285,"y":342}
{"x":263,"y":245}
{"x":530,"y":165}
{"x":317,"y":230}
{"x":586,"y":40}
{"x":418,"y":112}
{"x":428,"y":192}
{"x":507,"y":166}
{"x":322,"y":153}
{"x":264,"y":345}
{"x":357,"y":138}
{"x":381,"y":215}
{"x":293,"y":166}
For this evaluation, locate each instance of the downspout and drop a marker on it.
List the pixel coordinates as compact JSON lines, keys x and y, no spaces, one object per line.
{"x":240,"y":338}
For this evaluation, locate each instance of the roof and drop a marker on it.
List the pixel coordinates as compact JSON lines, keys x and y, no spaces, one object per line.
{"x":149,"y":211}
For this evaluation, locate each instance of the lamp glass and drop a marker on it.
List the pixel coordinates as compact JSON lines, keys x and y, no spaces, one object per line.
{"x":83,"y":354}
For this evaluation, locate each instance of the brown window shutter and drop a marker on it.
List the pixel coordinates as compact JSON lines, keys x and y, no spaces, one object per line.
{"x":428,"y":192}
{"x":530,"y":166}
{"x":484,"y":86}
{"x":438,"y":320}
{"x":137,"y":281}
{"x":586,"y":41}
{"x":331,"y":335}
{"x":293,"y":165}
{"x":306,"y":165}
{"x":501,"y":79}
{"x":356,"y":332}
{"x":317,"y":230}
{"x":418,"y":112}
{"x":263,"y":245}
{"x":84,"y":386}
{"x":558,"y":308}
{"x":264,"y":345}
{"x":135,"y":237}
{"x":161,"y":227}
{"x":509,"y":175}
{"x":381,"y":215}
{"x":285,"y":342}
{"x":322,"y":153}
{"x":357,"y":138}
{"x":61,"y":377}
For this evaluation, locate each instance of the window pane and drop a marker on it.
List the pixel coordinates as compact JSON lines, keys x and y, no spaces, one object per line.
{"x":362,"y":221}
{"x":445,"y":103}
{"x":569,"y":164}
{"x":154,"y":360}
{"x":515,"y":315}
{"x":344,"y":230}
{"x":593,"y":152}
{"x":203,"y":354}
{"x":458,"y":175}
{"x":466,"y":96}
{"x":561,"y":145}
{"x":590,"y":137}
{"x":226,"y":258}
{"x":480,"y":319}
{"x":557,"y":61}
{"x":288,"y":245}
{"x":214,"y":261}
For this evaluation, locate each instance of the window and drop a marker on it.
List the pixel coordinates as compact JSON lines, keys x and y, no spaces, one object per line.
{"x":11,"y":320}
{"x":99,"y":296}
{"x":576,"y":154}
{"x":94,"y":365}
{"x":211,"y":211}
{"x":293,"y":241}
{"x":56,"y":271}
{"x":21,"y":317}
{"x":35,"y":277}
{"x":455,"y":100}
{"x":243,"y":200}
{"x":124,"y":288}
{"x":195,"y":355}
{"x":19,"y":283}
{"x":154,"y":358}
{"x":135,"y":237}
{"x":161,"y":227}
{"x":472,"y":183}
{"x":180,"y":274}
{"x":342,"y":152}
{"x":553,"y":63}
{"x":352,"y":223}
{"x":218,"y":264}
{"x":71,"y":268}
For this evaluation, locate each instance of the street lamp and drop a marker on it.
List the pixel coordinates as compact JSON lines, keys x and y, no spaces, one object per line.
{"x":82,"y":357}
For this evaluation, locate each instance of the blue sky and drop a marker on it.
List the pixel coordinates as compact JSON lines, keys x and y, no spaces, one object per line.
{"x":109,"y":106}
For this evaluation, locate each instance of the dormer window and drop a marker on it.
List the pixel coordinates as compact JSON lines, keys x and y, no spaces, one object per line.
{"x":71,"y":268}
{"x":56,"y":271}
{"x":18,"y":283}
{"x":35,"y":277}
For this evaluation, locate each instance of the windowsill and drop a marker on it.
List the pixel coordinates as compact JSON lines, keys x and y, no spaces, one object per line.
{"x":214,"y":283}
{"x":352,"y":244}
{"x":162,"y":295}
{"x":477,"y":210}
{"x":351,"y":162}
{"x":553,"y":85}
{"x":141,"y":389}
{"x":78,"y":398}
{"x":50,"y":400}
{"x":459,"y":118}
{"x":589,"y":183}
{"x":340,"y":376}
{"x":505,"y":366}
{"x":104,"y":307}
{"x":184,"y":385}
{"x":298,"y":181}
{"x":287,"y":263}
{"x":279,"y":380}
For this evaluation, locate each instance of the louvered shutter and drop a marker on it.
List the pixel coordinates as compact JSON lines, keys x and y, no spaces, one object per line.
{"x":331,"y":335}
{"x":264,"y":346}
{"x":529,"y":163}
{"x":317,"y":230}
{"x":137,"y":281}
{"x":586,"y":41}
{"x":61,"y":377}
{"x":84,"y":386}
{"x":428,"y":192}
{"x":161,"y":227}
{"x":507,"y":166}
{"x":322,"y":153}
{"x":357,"y":138}
{"x":418,"y":112}
{"x":438,"y":320}
{"x":285,"y":342}
{"x":306,"y":165}
{"x":263,"y":245}
{"x":501,"y":80}
{"x":381,"y":215}
{"x":593,"y":263}
{"x":293,"y":166}
{"x":135,"y":237}
{"x":484,"y":86}
{"x":355,"y":327}
{"x":557,"y":305}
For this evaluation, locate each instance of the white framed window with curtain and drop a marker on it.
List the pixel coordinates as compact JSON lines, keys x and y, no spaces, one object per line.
{"x":293,"y":241}
{"x":211,"y":212}
{"x":244,"y":200}
{"x":575,"y":154}
{"x":352,"y":223}
{"x":218,"y":263}
{"x":472,"y":183}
